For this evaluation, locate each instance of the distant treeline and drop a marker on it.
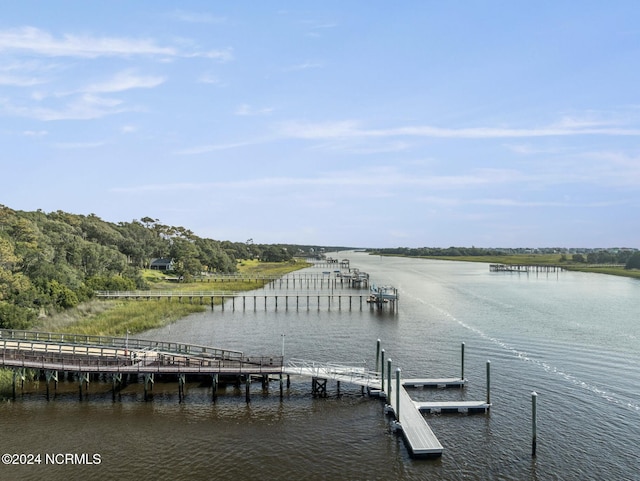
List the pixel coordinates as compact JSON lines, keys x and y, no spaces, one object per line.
{"x":53,"y":261}
{"x":630,"y":258}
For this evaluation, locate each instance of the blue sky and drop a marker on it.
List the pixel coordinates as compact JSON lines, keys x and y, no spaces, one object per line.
{"x":417,"y":123}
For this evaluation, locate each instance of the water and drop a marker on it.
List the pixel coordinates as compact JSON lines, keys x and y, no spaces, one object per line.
{"x":571,"y":337}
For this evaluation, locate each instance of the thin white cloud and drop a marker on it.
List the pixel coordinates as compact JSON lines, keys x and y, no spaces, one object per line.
{"x":508,"y":202}
{"x":35,"y":133}
{"x":208,"y":78}
{"x":83,"y":107}
{"x":247,"y":110}
{"x":203,"y":149}
{"x":197,"y":17}
{"x":379,"y":178}
{"x":39,"y":42}
{"x":352,"y":129}
{"x":78,"y":145}
{"x":303,"y":66}
{"x":125,"y":80}
{"x":18,"y":81}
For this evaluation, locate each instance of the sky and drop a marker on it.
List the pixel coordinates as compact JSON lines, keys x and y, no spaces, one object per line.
{"x":365,"y":124}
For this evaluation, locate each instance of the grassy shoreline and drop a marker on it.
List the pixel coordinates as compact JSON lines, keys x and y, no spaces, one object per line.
{"x":537,"y":259}
{"x":114,"y":318}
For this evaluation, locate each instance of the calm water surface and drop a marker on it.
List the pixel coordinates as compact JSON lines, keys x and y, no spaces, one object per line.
{"x":571,"y":337}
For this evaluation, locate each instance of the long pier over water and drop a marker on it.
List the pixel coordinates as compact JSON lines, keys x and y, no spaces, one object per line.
{"x":243,"y":300}
{"x":84,"y":356}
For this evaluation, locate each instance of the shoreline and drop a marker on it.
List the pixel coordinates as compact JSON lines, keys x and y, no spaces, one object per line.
{"x":543,"y":260}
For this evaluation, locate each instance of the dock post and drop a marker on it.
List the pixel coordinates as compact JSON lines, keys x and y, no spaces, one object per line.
{"x":382,"y":371}
{"x":534,"y":423}
{"x":488,"y":382}
{"x":378,"y":355}
{"x":462,"y":362}
{"x":281,"y":387}
{"x":148,"y":384}
{"x":338,"y":387}
{"x":247,"y":393}
{"x":83,"y":377}
{"x":49,"y":376}
{"x":214,"y":387}
{"x":116,"y":384}
{"x":398,"y":394}
{"x":181,"y":382}
{"x":388,"y":378}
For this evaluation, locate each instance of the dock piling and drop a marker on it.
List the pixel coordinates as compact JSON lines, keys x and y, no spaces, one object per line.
{"x":488,"y":382}
{"x":382,"y":370}
{"x":534,"y":423}
{"x":398,"y":394}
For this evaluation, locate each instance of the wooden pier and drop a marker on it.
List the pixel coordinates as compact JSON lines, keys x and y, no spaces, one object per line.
{"x":352,"y":278}
{"x":245,"y":301}
{"x":525,"y":268}
{"x":118,"y":358}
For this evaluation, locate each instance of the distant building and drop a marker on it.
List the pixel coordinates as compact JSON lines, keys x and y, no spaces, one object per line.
{"x":161,"y":264}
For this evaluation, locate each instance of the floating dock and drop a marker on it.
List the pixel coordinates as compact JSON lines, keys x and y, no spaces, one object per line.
{"x":419,"y":437}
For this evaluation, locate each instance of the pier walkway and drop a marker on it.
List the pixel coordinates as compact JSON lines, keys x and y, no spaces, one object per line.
{"x":106,"y":354}
{"x":115,"y":357}
{"x":297,"y":300}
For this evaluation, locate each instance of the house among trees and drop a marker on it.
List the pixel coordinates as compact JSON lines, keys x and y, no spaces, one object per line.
{"x":161,"y":264}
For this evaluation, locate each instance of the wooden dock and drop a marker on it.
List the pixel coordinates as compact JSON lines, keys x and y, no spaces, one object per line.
{"x":525,"y":268}
{"x":241,"y":300}
{"x":352,"y":278}
{"x":117,"y":358}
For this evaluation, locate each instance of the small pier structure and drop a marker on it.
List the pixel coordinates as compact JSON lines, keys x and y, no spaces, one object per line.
{"x":119,"y":358}
{"x":297,"y":280}
{"x":249,"y":300}
{"x":409,"y":420}
{"x":84,"y":356}
{"x":525,"y":268}
{"x":380,"y":296}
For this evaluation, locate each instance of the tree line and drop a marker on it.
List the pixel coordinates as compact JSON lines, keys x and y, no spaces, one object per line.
{"x":630,"y":258}
{"x":54,"y":261}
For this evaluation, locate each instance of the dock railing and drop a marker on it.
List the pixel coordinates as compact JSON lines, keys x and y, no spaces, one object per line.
{"x":355,"y":373}
{"x":56,"y":341}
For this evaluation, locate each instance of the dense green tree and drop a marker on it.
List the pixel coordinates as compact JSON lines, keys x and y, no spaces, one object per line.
{"x":633,"y":262}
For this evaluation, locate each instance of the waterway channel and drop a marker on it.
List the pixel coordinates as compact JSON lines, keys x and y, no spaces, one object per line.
{"x":571,"y":337}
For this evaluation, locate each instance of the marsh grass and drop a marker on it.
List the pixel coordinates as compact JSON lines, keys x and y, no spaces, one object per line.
{"x":98,"y":317}
{"x":115,"y":318}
